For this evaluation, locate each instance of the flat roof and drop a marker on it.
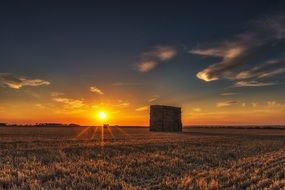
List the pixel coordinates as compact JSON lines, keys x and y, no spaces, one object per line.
{"x":163,"y":106}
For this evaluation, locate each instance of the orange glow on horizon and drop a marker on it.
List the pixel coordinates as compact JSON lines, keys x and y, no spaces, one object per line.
{"x":127,"y":114}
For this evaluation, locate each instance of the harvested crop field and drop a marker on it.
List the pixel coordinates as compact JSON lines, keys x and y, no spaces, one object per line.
{"x":134,"y":158}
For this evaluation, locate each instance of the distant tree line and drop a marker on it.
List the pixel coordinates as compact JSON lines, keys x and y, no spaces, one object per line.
{"x":56,"y":125}
{"x":3,"y":124}
{"x":238,"y":127}
{"x":40,"y":125}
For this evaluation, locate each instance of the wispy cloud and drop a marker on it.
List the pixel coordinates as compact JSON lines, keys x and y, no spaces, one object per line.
{"x":40,"y":106}
{"x":70,"y":106}
{"x":197,"y":109}
{"x":72,"y":103}
{"x":56,"y":94}
{"x":253,"y":84}
{"x":116,"y":105}
{"x":275,"y":104}
{"x":254,"y":104}
{"x":154,"y":98}
{"x":147,"y":65}
{"x":239,"y":52}
{"x":228,"y":93}
{"x":268,"y":69}
{"x":17,"y":82}
{"x":226,"y":103}
{"x":96,"y":90}
{"x":122,"y":104}
{"x":143,"y":108}
{"x":151,"y":59}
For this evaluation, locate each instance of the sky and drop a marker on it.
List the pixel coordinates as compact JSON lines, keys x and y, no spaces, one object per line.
{"x":63,"y":62}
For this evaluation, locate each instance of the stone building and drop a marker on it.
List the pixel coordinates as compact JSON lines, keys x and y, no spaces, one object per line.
{"x":165,"y":118}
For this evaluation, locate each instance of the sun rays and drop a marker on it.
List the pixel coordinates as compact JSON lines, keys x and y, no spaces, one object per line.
{"x":94,"y":133}
{"x":122,"y":131}
{"x":82,"y":132}
{"x":102,"y":142}
{"x":110,"y":131}
{"x":101,"y":134}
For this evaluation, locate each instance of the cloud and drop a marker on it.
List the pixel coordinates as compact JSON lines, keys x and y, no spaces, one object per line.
{"x":122,"y":104}
{"x":156,"y":97}
{"x":273,"y":73}
{"x":254,"y":104}
{"x":40,"y":106}
{"x":227,"y":51}
{"x":275,"y":104}
{"x":72,"y":103}
{"x":268,"y":69}
{"x":96,"y":90}
{"x":56,"y":94}
{"x":253,"y":84}
{"x":17,"y":82}
{"x":70,"y":106}
{"x":271,"y":103}
{"x":143,"y":108}
{"x":228,"y":94}
{"x":151,"y":59}
{"x":197,"y":109}
{"x":238,"y":54}
{"x":226,"y":103}
{"x":115,"y":105}
{"x":147,"y":65}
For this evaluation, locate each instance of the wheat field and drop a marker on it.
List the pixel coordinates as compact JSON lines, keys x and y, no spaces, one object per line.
{"x":134,"y":158}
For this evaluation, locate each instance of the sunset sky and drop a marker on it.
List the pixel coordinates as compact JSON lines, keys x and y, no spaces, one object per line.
{"x":222,"y":62}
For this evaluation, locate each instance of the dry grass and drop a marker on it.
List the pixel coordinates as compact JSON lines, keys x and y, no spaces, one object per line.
{"x":78,"y":158}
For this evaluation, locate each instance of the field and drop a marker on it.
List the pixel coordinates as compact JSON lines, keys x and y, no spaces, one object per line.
{"x":134,"y":158}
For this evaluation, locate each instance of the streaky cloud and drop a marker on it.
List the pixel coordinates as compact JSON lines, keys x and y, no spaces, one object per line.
{"x":17,"y":82}
{"x":143,"y":108}
{"x":226,"y":103}
{"x":154,"y":98}
{"x":147,"y":65}
{"x":73,"y":103}
{"x":96,"y":90}
{"x":69,"y":105}
{"x":197,"y":109}
{"x":266,"y":70}
{"x":151,"y":59}
{"x":253,"y":84}
{"x":228,"y":93}
{"x":241,"y":50}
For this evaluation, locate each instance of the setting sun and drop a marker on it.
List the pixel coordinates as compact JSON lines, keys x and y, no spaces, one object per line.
{"x":102,"y":115}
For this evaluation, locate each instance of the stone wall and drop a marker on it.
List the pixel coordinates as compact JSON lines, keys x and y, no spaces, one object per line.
{"x":165,"y":118}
